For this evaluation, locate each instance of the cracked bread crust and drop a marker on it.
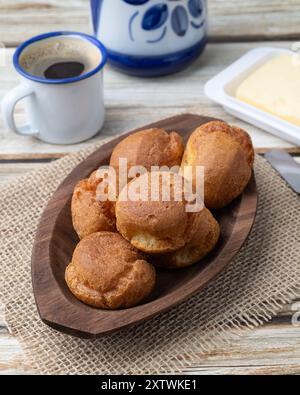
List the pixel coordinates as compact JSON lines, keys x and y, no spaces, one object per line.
{"x":227,"y":155}
{"x":90,"y":215}
{"x":155,"y":227}
{"x":206,"y":233}
{"x":108,"y":272}
{"x":238,"y":134}
{"x":147,"y":148}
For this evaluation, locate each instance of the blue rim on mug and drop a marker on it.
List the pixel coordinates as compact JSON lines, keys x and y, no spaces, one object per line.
{"x":44,"y":36}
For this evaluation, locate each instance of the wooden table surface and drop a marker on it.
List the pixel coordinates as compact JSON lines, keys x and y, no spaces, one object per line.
{"x":235,"y":27}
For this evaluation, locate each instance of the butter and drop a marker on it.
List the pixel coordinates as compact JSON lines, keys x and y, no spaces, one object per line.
{"x":275,"y":88}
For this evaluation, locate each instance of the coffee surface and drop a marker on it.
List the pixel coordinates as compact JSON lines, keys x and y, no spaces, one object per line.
{"x":63,"y":70}
{"x":60,"y":58}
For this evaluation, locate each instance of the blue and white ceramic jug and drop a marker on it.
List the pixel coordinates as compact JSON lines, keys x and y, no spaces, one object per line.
{"x":151,"y":37}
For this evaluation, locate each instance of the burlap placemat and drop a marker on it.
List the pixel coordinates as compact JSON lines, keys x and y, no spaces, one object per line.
{"x":263,"y":277}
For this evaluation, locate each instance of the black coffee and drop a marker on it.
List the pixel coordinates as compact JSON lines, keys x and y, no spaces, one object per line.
{"x":60,"y":58}
{"x":63,"y":70}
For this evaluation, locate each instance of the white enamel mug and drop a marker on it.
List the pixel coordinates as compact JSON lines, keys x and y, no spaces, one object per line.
{"x":59,"y":111}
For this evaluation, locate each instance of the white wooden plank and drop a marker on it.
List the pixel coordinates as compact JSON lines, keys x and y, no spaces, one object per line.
{"x":272,"y":349}
{"x":9,"y":171}
{"x":20,"y":19}
{"x":231,"y":19}
{"x":254,"y":19}
{"x":12,"y":359}
{"x":132,"y":102}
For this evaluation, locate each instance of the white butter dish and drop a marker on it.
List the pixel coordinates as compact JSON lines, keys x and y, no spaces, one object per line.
{"x":222,"y":88}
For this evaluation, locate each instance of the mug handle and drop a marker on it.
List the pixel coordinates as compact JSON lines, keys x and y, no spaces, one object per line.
{"x":8,"y":108}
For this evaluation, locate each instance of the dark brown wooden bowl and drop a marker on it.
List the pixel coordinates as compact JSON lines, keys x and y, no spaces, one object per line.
{"x":56,"y":239}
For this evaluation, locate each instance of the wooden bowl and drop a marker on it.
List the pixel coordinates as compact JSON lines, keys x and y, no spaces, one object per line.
{"x":56,"y":239}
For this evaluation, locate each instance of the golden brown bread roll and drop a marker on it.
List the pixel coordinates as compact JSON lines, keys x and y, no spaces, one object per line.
{"x":109,"y":273}
{"x":206,"y":235}
{"x":240,"y":135}
{"x":147,"y":148}
{"x":90,"y":215}
{"x":227,"y":155}
{"x":155,"y":226}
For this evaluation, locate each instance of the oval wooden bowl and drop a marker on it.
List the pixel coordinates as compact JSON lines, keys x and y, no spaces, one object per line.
{"x":56,"y":239}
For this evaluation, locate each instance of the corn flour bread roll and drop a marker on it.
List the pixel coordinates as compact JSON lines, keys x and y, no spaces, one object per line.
{"x":155,"y":225}
{"x":227,"y":154}
{"x":147,"y":148}
{"x":107,"y":272}
{"x":89,"y":215}
{"x":206,"y":235}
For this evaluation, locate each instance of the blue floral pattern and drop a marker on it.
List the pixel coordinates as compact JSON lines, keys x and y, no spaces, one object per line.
{"x":156,"y":16}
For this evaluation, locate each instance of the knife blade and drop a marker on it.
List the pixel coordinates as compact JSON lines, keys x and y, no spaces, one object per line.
{"x":286,"y":166}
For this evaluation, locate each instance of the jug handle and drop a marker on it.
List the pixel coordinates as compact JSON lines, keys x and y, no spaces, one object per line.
{"x":95,"y":10}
